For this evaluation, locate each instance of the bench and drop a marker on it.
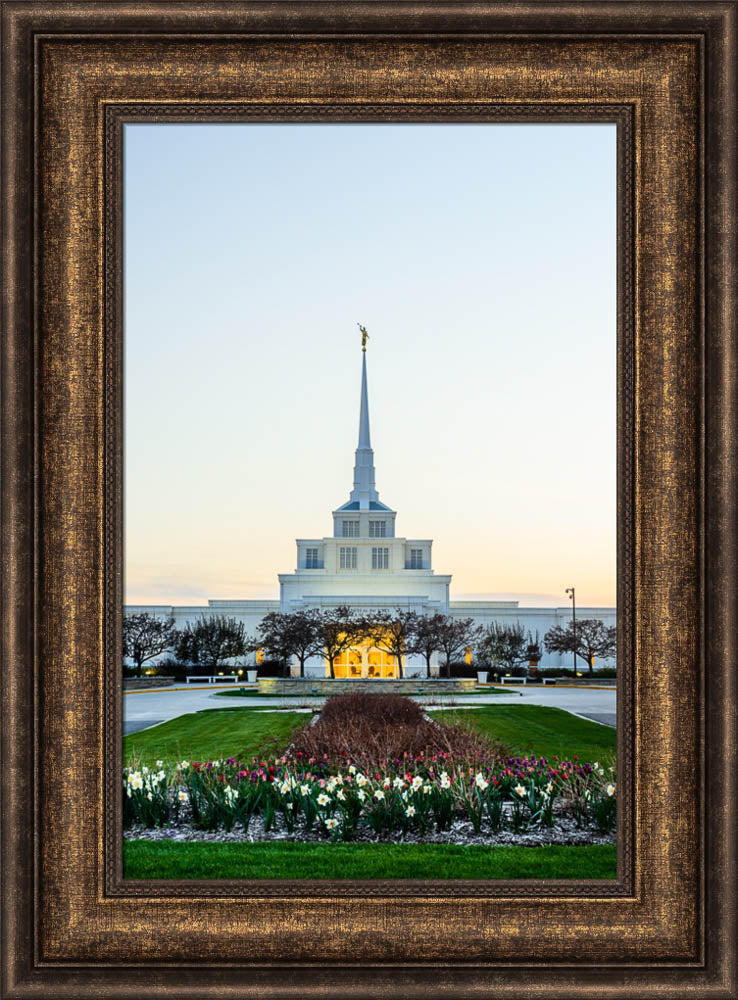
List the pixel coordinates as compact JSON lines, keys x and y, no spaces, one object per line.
{"x":551,"y":680}
{"x":209,"y":679}
{"x":514,"y":680}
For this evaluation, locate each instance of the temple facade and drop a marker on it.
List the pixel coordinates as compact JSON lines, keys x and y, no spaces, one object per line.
{"x":366,"y":565}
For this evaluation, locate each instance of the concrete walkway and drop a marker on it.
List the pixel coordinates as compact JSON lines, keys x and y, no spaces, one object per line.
{"x":142,"y":709}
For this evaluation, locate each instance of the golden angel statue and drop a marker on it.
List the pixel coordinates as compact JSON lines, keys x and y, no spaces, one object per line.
{"x":364,"y":336}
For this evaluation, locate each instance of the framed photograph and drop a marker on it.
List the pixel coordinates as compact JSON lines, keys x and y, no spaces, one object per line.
{"x":367,"y":698}
{"x":215,"y":220}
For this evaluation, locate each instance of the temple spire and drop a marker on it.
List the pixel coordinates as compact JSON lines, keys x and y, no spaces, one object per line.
{"x":364,"y":437}
{"x":364,"y":489}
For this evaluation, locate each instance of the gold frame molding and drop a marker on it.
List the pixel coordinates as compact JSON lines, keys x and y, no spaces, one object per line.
{"x":73,"y":74}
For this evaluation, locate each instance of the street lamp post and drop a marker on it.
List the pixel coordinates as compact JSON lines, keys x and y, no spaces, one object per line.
{"x":570,"y":592}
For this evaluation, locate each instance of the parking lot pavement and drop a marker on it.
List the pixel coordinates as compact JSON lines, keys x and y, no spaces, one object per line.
{"x":147,"y":708}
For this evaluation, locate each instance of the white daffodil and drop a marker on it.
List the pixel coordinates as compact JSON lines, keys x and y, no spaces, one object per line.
{"x":161,"y":775}
{"x":352,"y":769}
{"x":160,"y":763}
{"x":379,"y":794}
{"x":149,"y":796}
{"x":480,"y":781}
{"x":137,"y":781}
{"x":144,"y":770}
{"x":288,"y":805}
{"x":398,"y":783}
{"x":360,"y":780}
{"x":610,"y":790}
{"x":417,"y":782}
{"x":445,"y":780}
{"x":323,"y":799}
{"x":410,"y":811}
{"x":361,"y":795}
{"x":184,"y":764}
{"x":331,"y":784}
{"x":230,"y":793}
{"x":340,"y":796}
{"x":128,"y":792}
{"x":427,"y":789}
{"x":386,"y":783}
{"x":183,"y":797}
{"x":331,"y":823}
{"x":285,"y":788}
{"x":549,"y":787}
{"x":304,"y":789}
{"x":519,"y":790}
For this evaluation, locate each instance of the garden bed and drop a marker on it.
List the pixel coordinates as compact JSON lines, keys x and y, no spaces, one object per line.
{"x":376,"y":768}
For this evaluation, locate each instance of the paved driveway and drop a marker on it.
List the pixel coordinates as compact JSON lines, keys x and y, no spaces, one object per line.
{"x":142,"y":709}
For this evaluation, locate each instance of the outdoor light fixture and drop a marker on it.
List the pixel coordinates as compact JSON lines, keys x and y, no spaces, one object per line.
{"x":570,"y":592}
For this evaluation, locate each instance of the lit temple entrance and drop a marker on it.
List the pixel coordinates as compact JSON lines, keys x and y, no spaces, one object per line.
{"x":364,"y":661}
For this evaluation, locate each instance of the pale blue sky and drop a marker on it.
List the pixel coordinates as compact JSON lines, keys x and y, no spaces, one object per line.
{"x":481,"y":258}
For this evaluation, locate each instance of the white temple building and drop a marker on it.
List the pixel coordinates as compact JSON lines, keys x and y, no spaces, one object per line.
{"x":366,"y":565}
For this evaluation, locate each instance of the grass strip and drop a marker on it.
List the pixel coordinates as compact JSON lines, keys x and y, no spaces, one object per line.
{"x":540,"y":729}
{"x":211,"y":734}
{"x":147,"y":859}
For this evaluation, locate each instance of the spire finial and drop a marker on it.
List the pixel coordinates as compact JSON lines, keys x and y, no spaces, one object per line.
{"x":364,"y":337}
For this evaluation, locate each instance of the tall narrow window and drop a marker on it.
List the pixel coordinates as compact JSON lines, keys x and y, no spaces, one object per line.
{"x":350,"y":529}
{"x":311,"y":559}
{"x":377,"y":529}
{"x":380,"y":558}
{"x":416,"y":558}
{"x":347,"y":557}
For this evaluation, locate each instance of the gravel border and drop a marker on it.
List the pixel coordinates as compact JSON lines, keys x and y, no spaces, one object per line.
{"x":565,"y":832}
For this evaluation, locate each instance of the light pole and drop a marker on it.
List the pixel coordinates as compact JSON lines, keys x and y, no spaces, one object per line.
{"x":570,"y":592}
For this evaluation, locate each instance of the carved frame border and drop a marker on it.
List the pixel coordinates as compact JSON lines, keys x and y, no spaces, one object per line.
{"x":65,"y":932}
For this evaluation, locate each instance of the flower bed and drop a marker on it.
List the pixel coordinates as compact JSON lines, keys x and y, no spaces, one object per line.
{"x":423,"y":796}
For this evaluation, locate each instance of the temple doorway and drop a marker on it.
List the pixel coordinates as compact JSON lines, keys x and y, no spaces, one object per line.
{"x":364,"y":661}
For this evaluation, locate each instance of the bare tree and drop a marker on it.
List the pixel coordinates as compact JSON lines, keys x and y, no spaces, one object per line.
{"x":504,"y":646}
{"x":145,"y":637}
{"x":454,"y":635}
{"x":286,"y":635}
{"x":212,"y":640}
{"x":426,"y":638}
{"x":588,"y":637}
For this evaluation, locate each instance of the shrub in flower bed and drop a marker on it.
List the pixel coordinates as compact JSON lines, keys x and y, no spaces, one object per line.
{"x":407,"y":795}
{"x":373,"y":729}
{"x":379,"y":709}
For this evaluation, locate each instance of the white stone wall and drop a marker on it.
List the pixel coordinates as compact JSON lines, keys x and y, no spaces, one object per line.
{"x":483,"y":612}
{"x":534,"y":620}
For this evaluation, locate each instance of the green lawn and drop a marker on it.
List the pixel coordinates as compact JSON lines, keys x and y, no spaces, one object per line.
{"x":225,"y":732}
{"x":211,"y":734}
{"x":147,"y":859}
{"x":541,"y":730}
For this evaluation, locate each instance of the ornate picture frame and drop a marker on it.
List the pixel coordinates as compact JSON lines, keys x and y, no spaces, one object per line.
{"x":72,"y":75}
